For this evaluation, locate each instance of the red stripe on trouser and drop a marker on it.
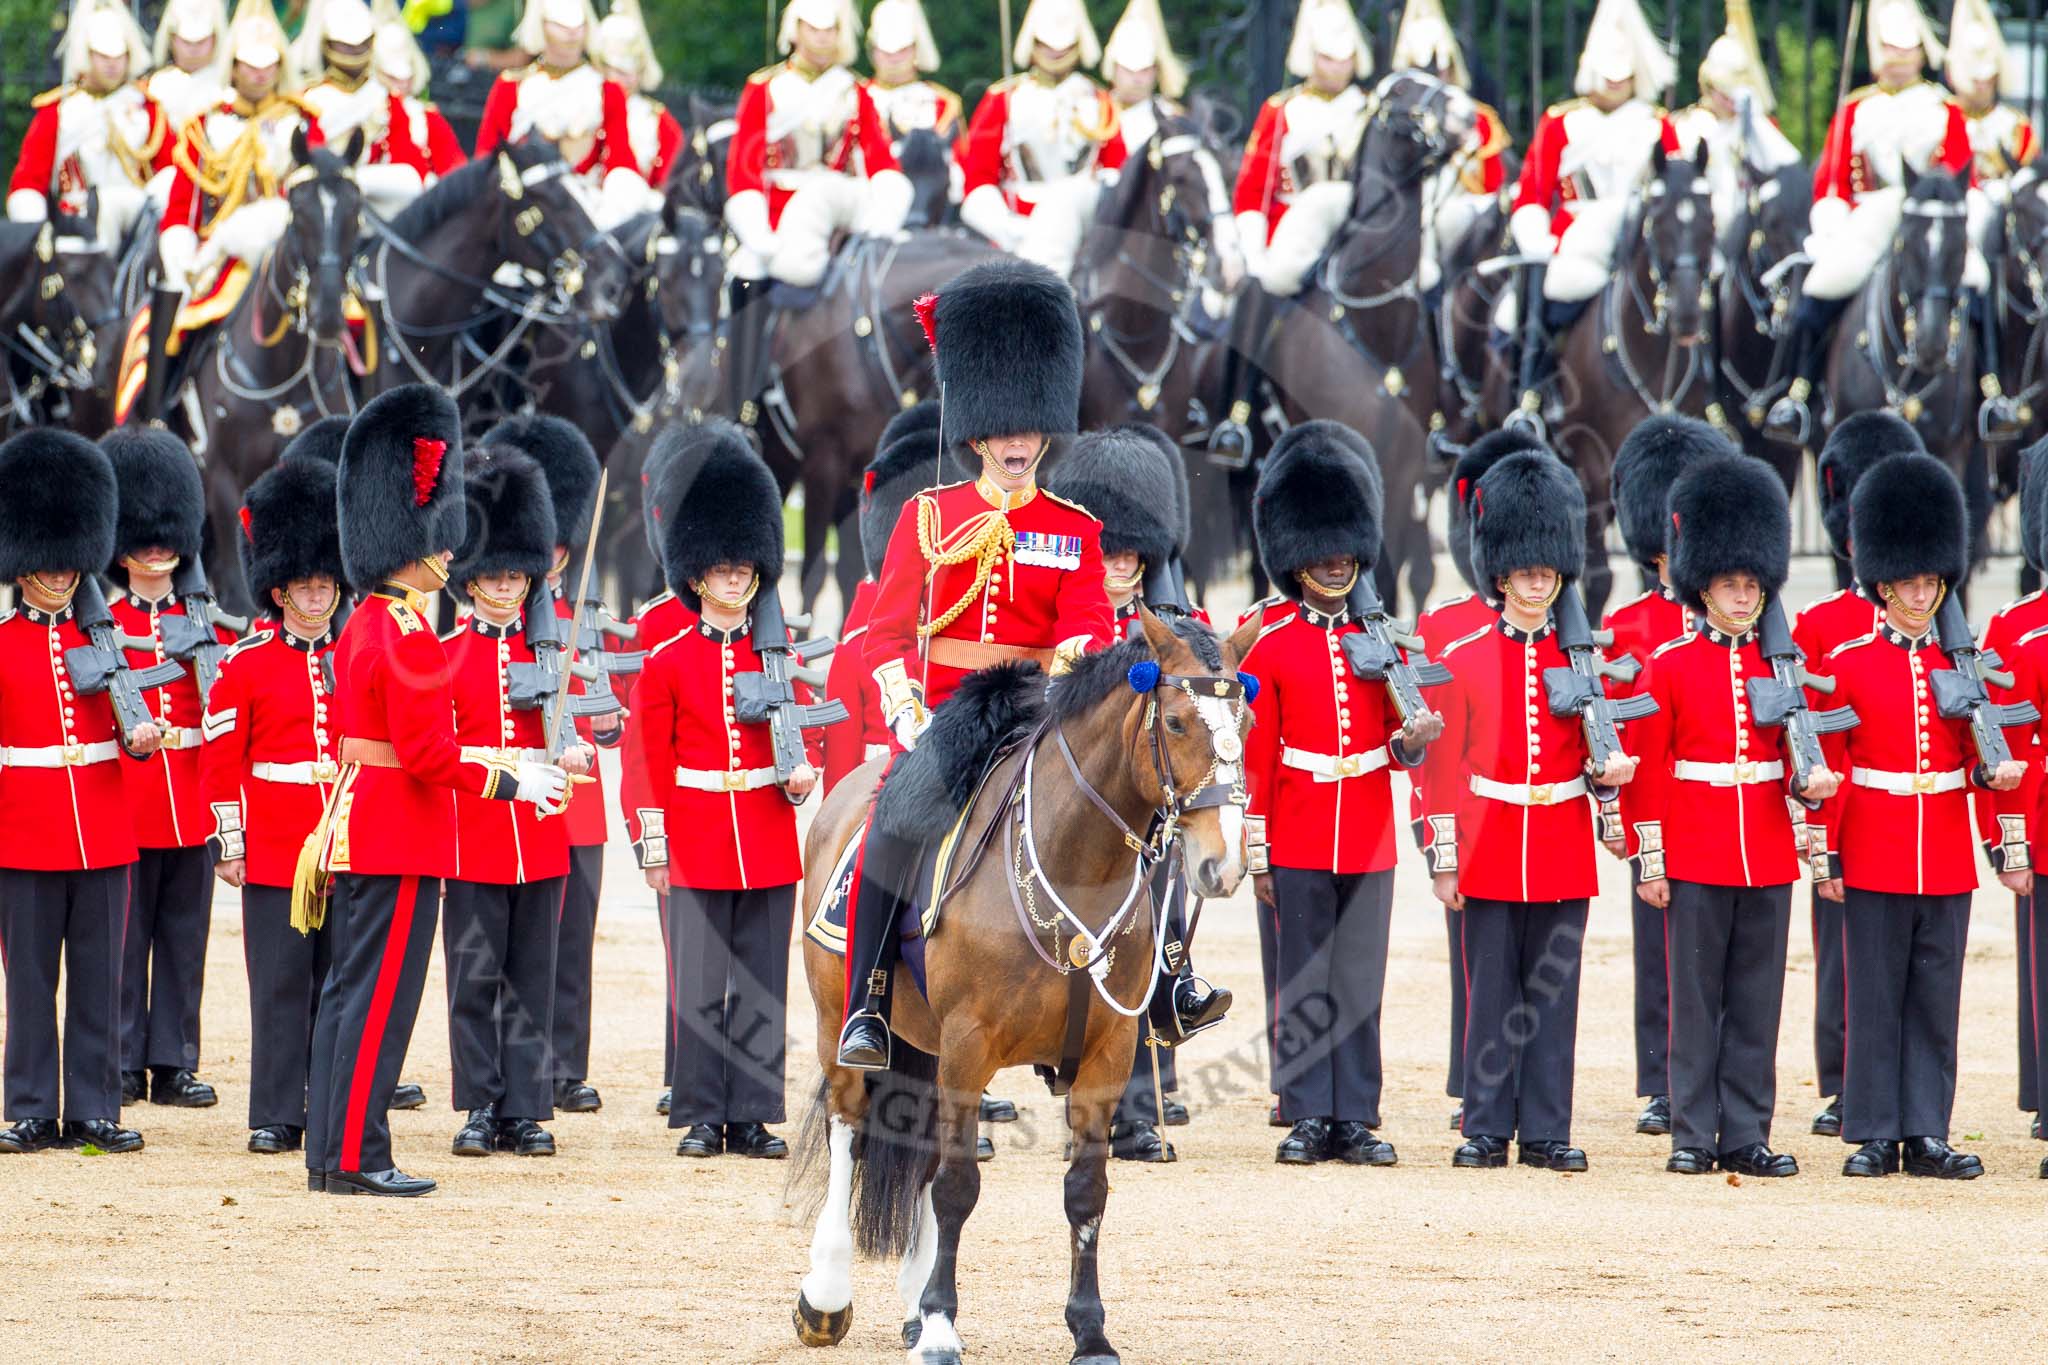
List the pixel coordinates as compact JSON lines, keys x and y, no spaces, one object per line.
{"x":364,"y":1073}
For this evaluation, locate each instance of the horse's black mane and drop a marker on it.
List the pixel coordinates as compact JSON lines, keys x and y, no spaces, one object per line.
{"x":1094,"y":676}
{"x":455,"y":190}
{"x":1943,"y":187}
{"x":1120,"y":205}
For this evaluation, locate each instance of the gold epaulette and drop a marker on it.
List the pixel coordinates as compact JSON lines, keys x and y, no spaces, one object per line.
{"x":517,"y":74}
{"x":49,"y":97}
{"x":1050,"y":496}
{"x":1860,"y":92}
{"x":1281,"y":96}
{"x":1009,"y":83}
{"x":407,"y":619}
{"x":1563,"y":107}
{"x":766,"y":73}
{"x":950,"y":105}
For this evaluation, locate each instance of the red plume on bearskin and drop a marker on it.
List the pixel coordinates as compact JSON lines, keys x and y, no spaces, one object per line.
{"x":427,"y":454}
{"x":248,"y":532}
{"x":926,"y":307}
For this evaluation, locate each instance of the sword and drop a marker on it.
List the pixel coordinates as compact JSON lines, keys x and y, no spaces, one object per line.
{"x":558,"y":707}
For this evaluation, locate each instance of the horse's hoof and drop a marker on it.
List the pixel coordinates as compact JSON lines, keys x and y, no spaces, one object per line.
{"x":1098,"y":1358}
{"x":814,"y":1328}
{"x":912,"y":1330}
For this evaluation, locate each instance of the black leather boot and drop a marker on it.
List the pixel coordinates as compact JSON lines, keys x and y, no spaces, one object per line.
{"x":887,"y":866}
{"x":1251,"y":318}
{"x":1999,"y":419}
{"x":1790,"y":420}
{"x":749,"y":315}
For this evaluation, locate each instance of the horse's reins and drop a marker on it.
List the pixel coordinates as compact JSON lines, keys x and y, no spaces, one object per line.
{"x":1883,"y":326}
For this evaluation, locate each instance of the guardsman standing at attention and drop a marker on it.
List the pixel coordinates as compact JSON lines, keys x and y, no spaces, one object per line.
{"x":170,"y":900}
{"x":388,"y":838}
{"x":268,"y":767}
{"x":731,"y":881}
{"x":1321,"y":820}
{"x":1510,"y":828}
{"x":68,"y":851}
{"x":1708,"y":824}
{"x":1856,"y":443}
{"x":1899,"y":850}
{"x":1651,"y":458}
{"x":504,"y":902}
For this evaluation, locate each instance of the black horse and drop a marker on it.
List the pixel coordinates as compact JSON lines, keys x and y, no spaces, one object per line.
{"x":1754,"y":304}
{"x":60,"y":325}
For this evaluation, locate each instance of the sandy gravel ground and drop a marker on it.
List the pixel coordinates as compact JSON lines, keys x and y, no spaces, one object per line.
{"x":616,"y":1248}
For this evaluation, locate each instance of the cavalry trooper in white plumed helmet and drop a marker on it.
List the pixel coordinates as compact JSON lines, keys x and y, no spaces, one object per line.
{"x":1469,"y":183}
{"x":625,"y":53}
{"x":335,"y":52}
{"x":1733,"y":115}
{"x":190,"y":55}
{"x":1145,"y":76}
{"x":95,"y":139}
{"x":1883,"y":137}
{"x":1040,"y":141}
{"x":1586,"y":159}
{"x":403,"y":69}
{"x":902,"y":52}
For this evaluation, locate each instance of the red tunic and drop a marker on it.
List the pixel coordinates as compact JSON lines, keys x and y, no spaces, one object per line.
{"x":2002,"y":636}
{"x":499,"y":842}
{"x":60,"y":818}
{"x":1439,"y":627}
{"x":1640,"y":626}
{"x":853,"y":742}
{"x":1047,"y":592}
{"x":395,"y":690}
{"x":270,"y":707}
{"x":1844,"y":173}
{"x":1716,"y":828}
{"x":585,"y":817}
{"x":683,"y":720}
{"x":444,"y":149}
{"x":1832,"y":621}
{"x":986,"y":156}
{"x":1918,"y":843}
{"x":1317,"y":762}
{"x":2010,"y":822}
{"x":1544,"y":181}
{"x":39,"y":169}
{"x":754,"y":159}
{"x":164,"y":795}
{"x":661,"y":619}
{"x":612,"y":149}
{"x":1500,"y":850}
{"x":393,"y":144}
{"x":183,"y":203}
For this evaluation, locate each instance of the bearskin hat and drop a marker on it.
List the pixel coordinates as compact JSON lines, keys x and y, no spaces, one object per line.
{"x":1183,"y":524}
{"x":1482,"y":455}
{"x":511,"y":517}
{"x":161,"y":500}
{"x":57,"y":504}
{"x":651,"y":465}
{"x":1649,"y":462}
{"x":320,"y":441}
{"x":1858,"y":442}
{"x":288,"y":526}
{"x":727,"y":509}
{"x":566,"y":460}
{"x":1127,"y":484}
{"x":399,"y":485}
{"x":2034,"y":503}
{"x":902,"y":468}
{"x":1907,"y":517}
{"x":1007,"y":336}
{"x":1528,"y":511}
{"x":1319,"y":495}
{"x":1728,"y":514}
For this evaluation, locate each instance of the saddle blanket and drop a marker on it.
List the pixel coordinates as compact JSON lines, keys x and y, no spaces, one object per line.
{"x":827,"y":927}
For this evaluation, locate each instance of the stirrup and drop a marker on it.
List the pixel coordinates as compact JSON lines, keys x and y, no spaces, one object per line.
{"x":1528,"y":417}
{"x":1790,"y":421}
{"x":1230,"y":441}
{"x":1216,"y":1008}
{"x":1999,"y":419}
{"x":864,"y":1058}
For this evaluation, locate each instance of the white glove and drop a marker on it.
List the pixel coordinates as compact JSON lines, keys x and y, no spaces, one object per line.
{"x":988,"y":213}
{"x":1251,"y":240}
{"x":906,"y":729}
{"x":746,"y":213}
{"x":542,"y":784}
{"x":1529,"y":225}
{"x":1827,"y":217}
{"x":177,"y":246}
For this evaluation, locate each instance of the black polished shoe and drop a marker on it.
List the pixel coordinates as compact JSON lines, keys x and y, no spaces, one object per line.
{"x":661,"y":1102}
{"x":1828,"y":1122}
{"x":104,"y":1134}
{"x":274,"y":1138}
{"x":754,"y":1139}
{"x":1306,"y":1145}
{"x":2044,"y":1168}
{"x":179,"y":1088}
{"x":1481,"y":1154}
{"x":984,"y":1150}
{"x":1458,"y":1119}
{"x":392,"y":1184}
{"x":1551,"y":1156}
{"x":577,"y":1097}
{"x":1139,"y":1141}
{"x":1655,"y":1120}
{"x":1759,"y":1160}
{"x":994,"y":1110}
{"x":30,"y":1135}
{"x":1198,"y":1005}
{"x":1176,"y":1113}
{"x":316,"y":1182}
{"x":1931,"y":1156}
{"x":479,"y":1135}
{"x":525,"y":1137}
{"x":864,"y":1043}
{"x":1690,"y":1161}
{"x":1357,"y":1145}
{"x":1873,"y":1159}
{"x":408,"y":1096}
{"x":134,"y":1087}
{"x":1273,"y":1119}
{"x":703,"y":1139}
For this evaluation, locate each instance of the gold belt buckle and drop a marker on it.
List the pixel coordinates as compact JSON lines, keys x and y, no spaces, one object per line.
{"x":1745,"y":773}
{"x":173,"y":738}
{"x":735,"y":780}
{"x":74,"y":754}
{"x":325,"y":770}
{"x":1540,"y":796}
{"x":1346,"y":765}
{"x":1923,"y":783}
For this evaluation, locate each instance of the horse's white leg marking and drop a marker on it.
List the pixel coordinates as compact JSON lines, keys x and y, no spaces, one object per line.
{"x":829,"y":1286}
{"x":918,"y":1257}
{"x":936,"y":1340}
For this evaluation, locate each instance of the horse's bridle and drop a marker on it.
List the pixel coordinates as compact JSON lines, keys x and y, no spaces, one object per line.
{"x":1894,"y":321}
{"x":58,"y":346}
{"x":1423,"y":128}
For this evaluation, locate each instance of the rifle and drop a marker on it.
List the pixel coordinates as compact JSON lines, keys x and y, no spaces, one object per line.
{"x":190,"y":638}
{"x":1579,"y":690}
{"x":556,"y":731}
{"x":554,"y":642}
{"x":1780,"y":700}
{"x":99,"y":665}
{"x":1959,"y":690}
{"x":594,"y":623}
{"x":769,"y":697}
{"x":1374,"y":651}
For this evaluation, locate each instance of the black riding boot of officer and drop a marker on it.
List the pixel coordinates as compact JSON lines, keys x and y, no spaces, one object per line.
{"x":888,"y":869}
{"x":1183,"y":1004}
{"x":1998,"y":419}
{"x":749,"y":314}
{"x":1790,"y":420}
{"x":1230,"y":440}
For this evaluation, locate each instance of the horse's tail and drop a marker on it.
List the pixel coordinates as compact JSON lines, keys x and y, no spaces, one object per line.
{"x":894,"y":1151}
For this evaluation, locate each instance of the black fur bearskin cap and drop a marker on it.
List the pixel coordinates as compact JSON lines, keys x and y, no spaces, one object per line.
{"x":1127,"y":484}
{"x":511,"y":517}
{"x":288,"y":527}
{"x":1728,"y":514}
{"x":901,"y":470}
{"x":1482,"y":455}
{"x":1857,"y":443}
{"x":1646,"y":467}
{"x":1907,"y":517}
{"x":1528,"y":511}
{"x":399,"y":485}
{"x":1319,"y":495}
{"x":320,"y":441}
{"x":161,"y":501}
{"x":566,"y":460}
{"x":2034,"y":503}
{"x":57,"y":505}
{"x":1007,"y":335}
{"x":721,"y":506}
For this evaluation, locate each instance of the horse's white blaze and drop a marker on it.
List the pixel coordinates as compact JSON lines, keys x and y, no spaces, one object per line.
{"x":936,"y":1339}
{"x":829,"y":1286}
{"x":918,"y":1257}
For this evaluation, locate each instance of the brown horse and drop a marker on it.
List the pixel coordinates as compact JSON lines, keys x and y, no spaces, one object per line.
{"x":1094,"y":771}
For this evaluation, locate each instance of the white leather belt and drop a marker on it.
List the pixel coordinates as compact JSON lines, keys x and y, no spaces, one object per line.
{"x":725,"y":780}
{"x":1334,"y":767}
{"x":1909,"y":784}
{"x":61,"y":755}
{"x":874,"y":750}
{"x":182,"y":737}
{"x":310,"y":772}
{"x":478,"y":753}
{"x":1728,"y":774}
{"x":1528,"y":793}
